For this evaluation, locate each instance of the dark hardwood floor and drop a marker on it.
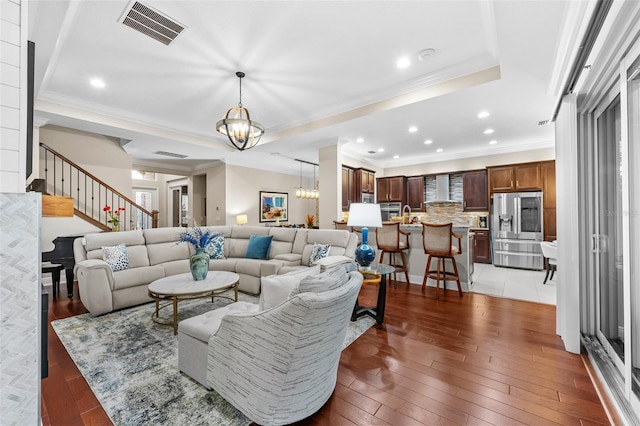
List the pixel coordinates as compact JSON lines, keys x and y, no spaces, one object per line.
{"x":476,"y":360}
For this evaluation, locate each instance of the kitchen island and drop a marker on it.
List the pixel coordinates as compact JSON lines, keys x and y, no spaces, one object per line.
{"x":417,"y":259}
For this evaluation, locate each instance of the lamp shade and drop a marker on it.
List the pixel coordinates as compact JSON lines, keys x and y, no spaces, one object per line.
{"x":365,"y":215}
{"x":241,"y":219}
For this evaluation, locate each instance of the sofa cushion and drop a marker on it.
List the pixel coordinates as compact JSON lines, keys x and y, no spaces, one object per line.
{"x":328,"y":280}
{"x":276,"y":288}
{"x":319,"y":251}
{"x":175,"y":267}
{"x":250,"y":266}
{"x":331,"y":261}
{"x":203,"y":326}
{"x":162,"y":252}
{"x":95,"y":241}
{"x":137,"y":276}
{"x":116,"y":257}
{"x":215,"y":248}
{"x":258,"y":247}
{"x":228,"y":264}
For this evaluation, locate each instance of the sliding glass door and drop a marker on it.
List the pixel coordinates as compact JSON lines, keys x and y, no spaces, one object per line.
{"x":616,"y":227}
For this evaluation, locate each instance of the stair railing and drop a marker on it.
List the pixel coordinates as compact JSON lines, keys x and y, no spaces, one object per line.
{"x":91,"y":195}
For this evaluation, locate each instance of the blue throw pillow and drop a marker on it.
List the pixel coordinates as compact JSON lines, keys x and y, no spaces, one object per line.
{"x":216,"y":247}
{"x":258,"y":247}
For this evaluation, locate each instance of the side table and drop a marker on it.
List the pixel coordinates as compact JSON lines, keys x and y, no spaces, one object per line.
{"x":377,"y":274}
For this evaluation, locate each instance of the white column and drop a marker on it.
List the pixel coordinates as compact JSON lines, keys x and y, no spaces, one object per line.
{"x":568,"y":300}
{"x":330,"y":167}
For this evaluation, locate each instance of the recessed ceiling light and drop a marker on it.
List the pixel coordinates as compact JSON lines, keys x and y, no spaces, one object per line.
{"x":396,"y":156}
{"x":488,"y":131}
{"x":380,"y":149}
{"x":428,"y":142}
{"x":439,"y":150}
{"x":483,"y":114}
{"x":403,"y":62}
{"x":359,"y":140}
{"x":98,"y":83}
{"x":413,"y":129}
{"x":493,"y":142}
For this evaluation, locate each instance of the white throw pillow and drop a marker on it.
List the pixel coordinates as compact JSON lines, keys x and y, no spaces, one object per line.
{"x":326,"y":281}
{"x":319,"y":251}
{"x":276,"y":288}
{"x":116,"y":257}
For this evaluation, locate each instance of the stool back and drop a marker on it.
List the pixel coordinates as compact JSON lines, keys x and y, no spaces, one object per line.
{"x":388,"y":237}
{"x":436,"y":239}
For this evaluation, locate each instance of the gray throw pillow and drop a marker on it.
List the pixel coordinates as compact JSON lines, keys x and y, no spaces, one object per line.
{"x":329,"y":280}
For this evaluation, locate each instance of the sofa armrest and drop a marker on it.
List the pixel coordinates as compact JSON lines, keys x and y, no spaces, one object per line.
{"x":95,"y":284}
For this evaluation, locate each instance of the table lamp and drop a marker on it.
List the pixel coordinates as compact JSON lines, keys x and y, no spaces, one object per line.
{"x":365,"y":215}
{"x":241,"y":219}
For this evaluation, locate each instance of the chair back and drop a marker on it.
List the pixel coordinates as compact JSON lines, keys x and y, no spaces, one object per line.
{"x":388,"y":237}
{"x":436,"y":238}
{"x":341,"y":224}
{"x":280,"y":365}
{"x":549,"y":250}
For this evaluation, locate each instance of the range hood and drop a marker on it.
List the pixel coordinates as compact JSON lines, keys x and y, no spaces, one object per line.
{"x":442,"y":194}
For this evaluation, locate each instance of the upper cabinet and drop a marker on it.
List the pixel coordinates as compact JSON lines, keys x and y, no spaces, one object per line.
{"x":366,"y":181}
{"x":475,"y":191}
{"x":415,"y":193}
{"x":514,"y":178}
{"x":349,"y":192}
{"x":390,"y":189}
{"x":548,"y":169}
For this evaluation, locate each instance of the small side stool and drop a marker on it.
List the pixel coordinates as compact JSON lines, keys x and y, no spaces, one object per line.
{"x":55,"y":269}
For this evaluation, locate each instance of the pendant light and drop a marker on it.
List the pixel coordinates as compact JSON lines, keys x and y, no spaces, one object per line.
{"x":237,"y":126}
{"x":304,"y":192}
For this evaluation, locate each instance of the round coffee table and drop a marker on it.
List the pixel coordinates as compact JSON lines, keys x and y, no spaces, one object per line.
{"x":176,"y":288}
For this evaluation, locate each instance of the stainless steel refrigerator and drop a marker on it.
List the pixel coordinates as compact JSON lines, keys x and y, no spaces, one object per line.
{"x":517,"y":230}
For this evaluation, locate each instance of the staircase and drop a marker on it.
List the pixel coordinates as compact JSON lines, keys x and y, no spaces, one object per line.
{"x":62,"y":177}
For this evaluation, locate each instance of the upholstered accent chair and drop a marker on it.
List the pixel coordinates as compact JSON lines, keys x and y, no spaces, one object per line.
{"x":279,"y":365}
{"x":437,"y":240}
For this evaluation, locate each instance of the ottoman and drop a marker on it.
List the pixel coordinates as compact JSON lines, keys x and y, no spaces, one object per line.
{"x":193,"y":338}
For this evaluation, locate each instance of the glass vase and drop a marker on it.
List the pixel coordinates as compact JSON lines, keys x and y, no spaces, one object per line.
{"x":199,"y":264}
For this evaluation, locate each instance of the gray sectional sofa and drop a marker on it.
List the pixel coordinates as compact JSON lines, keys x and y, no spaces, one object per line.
{"x":154,"y":254}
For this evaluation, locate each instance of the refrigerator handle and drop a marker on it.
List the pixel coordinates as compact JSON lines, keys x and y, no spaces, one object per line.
{"x":516,"y":215}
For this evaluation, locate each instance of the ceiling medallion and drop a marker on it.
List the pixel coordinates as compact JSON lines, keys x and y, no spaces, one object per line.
{"x":237,"y":126}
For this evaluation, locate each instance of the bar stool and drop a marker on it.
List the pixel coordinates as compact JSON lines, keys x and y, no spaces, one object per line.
{"x":388,"y":241}
{"x":438,"y":242}
{"x":55,"y":269}
{"x":550,"y":252}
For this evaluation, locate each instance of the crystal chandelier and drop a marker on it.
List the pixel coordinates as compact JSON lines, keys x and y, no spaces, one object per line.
{"x":237,"y":126}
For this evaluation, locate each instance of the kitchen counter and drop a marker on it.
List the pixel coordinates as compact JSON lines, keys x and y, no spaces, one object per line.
{"x":417,"y":259}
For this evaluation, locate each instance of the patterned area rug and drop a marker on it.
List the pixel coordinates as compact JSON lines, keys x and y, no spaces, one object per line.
{"x":131,"y":364}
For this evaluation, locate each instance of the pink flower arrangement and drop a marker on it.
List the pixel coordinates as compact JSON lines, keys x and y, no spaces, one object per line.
{"x":114,"y":215}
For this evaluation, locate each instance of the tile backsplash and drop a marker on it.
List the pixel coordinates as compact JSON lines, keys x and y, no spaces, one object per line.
{"x":444,"y":212}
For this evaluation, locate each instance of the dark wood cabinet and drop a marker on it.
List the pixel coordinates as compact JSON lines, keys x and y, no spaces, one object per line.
{"x":365,"y":181}
{"x":415,"y":193}
{"x":513,"y":178}
{"x":548,"y":169}
{"x":391,"y":189}
{"x":349,"y":193}
{"x":475,"y":191}
{"x":482,"y":246}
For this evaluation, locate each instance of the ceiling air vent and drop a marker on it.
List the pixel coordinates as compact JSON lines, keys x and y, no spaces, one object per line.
{"x":170,"y":154}
{"x":152,"y":23}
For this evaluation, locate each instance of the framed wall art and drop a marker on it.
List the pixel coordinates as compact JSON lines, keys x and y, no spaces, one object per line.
{"x":274,"y":206}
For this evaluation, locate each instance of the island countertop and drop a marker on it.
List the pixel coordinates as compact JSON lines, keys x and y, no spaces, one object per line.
{"x":417,"y":259}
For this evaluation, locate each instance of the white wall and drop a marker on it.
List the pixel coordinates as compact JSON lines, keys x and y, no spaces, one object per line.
{"x":217,"y":195}
{"x":98,"y":154}
{"x":243,"y":186}
{"x":13,"y":88}
{"x":471,"y":163}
